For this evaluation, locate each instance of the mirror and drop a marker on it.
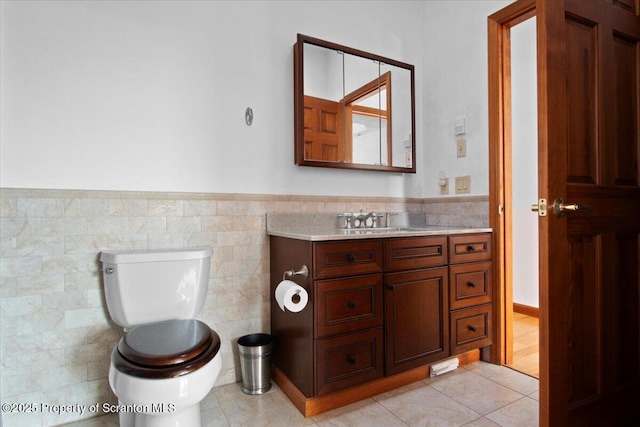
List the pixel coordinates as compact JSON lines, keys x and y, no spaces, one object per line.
{"x":353,"y":109}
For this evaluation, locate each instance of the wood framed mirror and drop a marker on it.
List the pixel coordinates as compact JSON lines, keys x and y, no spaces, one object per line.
{"x":352,"y":109}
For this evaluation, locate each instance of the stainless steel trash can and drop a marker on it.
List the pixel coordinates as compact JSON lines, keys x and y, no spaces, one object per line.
{"x":255,"y":362}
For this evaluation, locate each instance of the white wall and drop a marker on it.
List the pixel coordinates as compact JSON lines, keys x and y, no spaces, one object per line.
{"x":525,"y":163}
{"x":150,"y":95}
{"x":455,"y":86}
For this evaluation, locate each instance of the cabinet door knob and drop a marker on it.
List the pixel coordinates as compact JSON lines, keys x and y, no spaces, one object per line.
{"x":352,"y":258}
{"x":471,"y":284}
{"x":471,"y":328}
{"x":351,"y":360}
{"x":352,"y":304}
{"x":391,"y":287}
{"x":471,"y":248}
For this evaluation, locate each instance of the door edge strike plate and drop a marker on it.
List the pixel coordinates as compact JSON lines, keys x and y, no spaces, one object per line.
{"x":540,"y":207}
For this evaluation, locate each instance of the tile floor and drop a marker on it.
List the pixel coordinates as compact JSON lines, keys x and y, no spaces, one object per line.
{"x":478,"y":395}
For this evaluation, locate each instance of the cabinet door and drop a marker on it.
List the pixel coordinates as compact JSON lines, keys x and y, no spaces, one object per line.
{"x":416,"y":319}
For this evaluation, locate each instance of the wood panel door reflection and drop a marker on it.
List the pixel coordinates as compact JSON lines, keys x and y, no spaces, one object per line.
{"x":323,"y":130}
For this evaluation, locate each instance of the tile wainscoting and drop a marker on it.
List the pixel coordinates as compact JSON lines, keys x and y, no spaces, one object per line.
{"x":55,"y":333}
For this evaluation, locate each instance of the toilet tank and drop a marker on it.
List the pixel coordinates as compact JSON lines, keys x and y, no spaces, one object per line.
{"x":155,"y":285}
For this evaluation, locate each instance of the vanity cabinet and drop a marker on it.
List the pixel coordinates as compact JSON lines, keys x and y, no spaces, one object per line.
{"x":379,"y":309}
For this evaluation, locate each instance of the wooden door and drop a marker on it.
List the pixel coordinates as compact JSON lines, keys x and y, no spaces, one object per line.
{"x":323,"y":130}
{"x":416,"y":318}
{"x":588,"y":83}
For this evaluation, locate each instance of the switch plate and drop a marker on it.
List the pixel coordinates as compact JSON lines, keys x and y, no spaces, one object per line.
{"x":461,"y":148}
{"x":463,"y":184}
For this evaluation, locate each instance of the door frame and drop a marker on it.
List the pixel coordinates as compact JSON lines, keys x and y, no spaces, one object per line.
{"x":500,"y":170}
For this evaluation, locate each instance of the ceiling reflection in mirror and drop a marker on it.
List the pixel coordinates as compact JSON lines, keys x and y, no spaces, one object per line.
{"x":353,"y":109}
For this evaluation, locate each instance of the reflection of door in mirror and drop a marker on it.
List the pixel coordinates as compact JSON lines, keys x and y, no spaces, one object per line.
{"x":342,"y":108}
{"x":323,"y":130}
{"x":368,"y":122}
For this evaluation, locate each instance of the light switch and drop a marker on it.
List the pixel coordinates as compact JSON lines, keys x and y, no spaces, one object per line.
{"x":461,"y":149}
{"x":463,"y":184}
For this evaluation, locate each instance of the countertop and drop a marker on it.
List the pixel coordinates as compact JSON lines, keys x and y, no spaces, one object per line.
{"x":325,"y":233}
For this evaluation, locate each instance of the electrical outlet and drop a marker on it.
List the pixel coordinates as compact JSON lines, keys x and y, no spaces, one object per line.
{"x":461,"y":148}
{"x":463,"y":184}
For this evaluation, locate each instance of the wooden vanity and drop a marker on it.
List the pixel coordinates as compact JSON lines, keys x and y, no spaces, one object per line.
{"x":381,"y":310}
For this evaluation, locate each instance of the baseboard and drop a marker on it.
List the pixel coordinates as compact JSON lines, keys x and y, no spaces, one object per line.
{"x":526,"y":309}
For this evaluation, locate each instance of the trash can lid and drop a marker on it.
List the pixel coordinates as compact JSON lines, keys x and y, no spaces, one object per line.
{"x":255,"y":340}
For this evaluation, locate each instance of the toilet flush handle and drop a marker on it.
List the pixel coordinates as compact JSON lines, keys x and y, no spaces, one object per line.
{"x":108,"y":270}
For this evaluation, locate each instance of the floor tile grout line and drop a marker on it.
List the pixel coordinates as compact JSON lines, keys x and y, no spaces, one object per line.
{"x":498,"y":409}
{"x":444,"y":395}
{"x":391,"y":412}
{"x":506,"y":385}
{"x":502,"y":406}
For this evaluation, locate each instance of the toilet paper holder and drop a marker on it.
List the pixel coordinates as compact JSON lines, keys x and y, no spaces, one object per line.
{"x":304,"y":272}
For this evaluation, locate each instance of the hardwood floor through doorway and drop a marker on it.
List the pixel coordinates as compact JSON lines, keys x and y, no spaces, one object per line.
{"x":526,"y":357}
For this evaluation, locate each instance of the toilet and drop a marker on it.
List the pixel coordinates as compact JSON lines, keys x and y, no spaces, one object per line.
{"x":167,"y":361}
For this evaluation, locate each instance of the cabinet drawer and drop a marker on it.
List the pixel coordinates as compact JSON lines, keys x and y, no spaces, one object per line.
{"x":333,"y":259}
{"x":470,"y":284}
{"x":415,"y":253}
{"x":347,"y":305}
{"x":469,"y":247}
{"x":470,"y":328}
{"x":348,"y":360}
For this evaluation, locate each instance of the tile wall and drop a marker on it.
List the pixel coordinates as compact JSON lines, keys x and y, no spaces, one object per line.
{"x":55,"y":333}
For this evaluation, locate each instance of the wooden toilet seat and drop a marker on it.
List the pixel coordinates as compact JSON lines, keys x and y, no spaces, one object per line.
{"x":166,"y":349}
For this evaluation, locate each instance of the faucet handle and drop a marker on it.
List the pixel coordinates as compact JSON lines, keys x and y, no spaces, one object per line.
{"x":388,"y":216}
{"x":348,"y":217}
{"x":374,"y":219}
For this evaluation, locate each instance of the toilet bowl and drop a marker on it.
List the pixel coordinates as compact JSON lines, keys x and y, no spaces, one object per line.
{"x":167,"y":361}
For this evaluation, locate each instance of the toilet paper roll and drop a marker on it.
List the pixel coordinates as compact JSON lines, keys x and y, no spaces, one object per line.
{"x":291,"y":296}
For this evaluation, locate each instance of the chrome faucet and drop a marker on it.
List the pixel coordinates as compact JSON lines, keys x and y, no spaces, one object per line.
{"x":362,"y":219}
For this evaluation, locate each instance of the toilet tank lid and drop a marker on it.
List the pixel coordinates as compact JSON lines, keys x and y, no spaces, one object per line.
{"x":153,"y":255}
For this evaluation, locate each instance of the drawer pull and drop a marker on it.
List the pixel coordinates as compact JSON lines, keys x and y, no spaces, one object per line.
{"x":351,"y":304}
{"x":351,"y":258}
{"x":471,"y":328}
{"x":351,"y":360}
{"x":471,"y":284}
{"x":471,"y":248}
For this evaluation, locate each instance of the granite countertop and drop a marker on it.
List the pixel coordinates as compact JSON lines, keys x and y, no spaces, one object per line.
{"x":322,"y":227}
{"x":320,"y":234}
